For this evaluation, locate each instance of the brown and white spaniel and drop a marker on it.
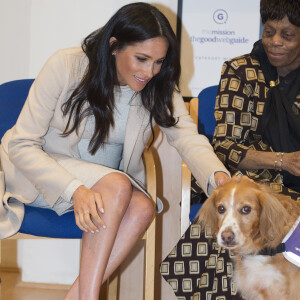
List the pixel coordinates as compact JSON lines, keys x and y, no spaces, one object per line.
{"x":246,"y":218}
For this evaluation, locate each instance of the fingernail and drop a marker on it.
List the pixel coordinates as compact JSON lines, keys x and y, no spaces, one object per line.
{"x":97,"y":230}
{"x":102,"y":210}
{"x":104,"y":226}
{"x":92,"y":231}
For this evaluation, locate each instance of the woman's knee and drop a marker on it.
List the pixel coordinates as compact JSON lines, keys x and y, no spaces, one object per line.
{"x":116,"y":187}
{"x":144,"y":209}
{"x":149,"y":209}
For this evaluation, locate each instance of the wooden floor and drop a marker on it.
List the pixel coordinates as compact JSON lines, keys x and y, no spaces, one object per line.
{"x":12,"y":289}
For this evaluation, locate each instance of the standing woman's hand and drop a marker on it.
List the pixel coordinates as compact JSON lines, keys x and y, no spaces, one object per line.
{"x":88,"y":206}
{"x":221,"y":178}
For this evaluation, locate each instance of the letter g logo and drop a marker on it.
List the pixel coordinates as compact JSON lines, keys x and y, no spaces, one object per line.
{"x":220,"y":16}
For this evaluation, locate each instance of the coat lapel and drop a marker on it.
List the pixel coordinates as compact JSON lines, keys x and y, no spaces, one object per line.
{"x":135,"y":124}
{"x":75,"y":137}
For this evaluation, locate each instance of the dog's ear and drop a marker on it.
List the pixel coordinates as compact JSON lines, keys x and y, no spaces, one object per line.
{"x":207,"y":215}
{"x":273,"y":218}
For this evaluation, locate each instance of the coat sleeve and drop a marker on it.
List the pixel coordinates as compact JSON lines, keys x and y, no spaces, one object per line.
{"x":25,"y":147}
{"x":194,"y":148}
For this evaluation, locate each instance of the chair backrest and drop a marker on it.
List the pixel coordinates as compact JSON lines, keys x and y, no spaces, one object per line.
{"x":206,"y":107}
{"x":37,"y":221}
{"x":202,"y":112}
{"x":12,"y":98}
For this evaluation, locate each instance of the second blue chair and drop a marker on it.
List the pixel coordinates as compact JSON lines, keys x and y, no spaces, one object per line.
{"x":202,"y":111}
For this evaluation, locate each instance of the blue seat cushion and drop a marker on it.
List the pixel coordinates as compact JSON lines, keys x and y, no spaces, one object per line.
{"x":45,"y":222}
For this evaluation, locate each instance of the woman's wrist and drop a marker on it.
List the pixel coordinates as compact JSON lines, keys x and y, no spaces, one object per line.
{"x":278,"y":162}
{"x":264,"y":160}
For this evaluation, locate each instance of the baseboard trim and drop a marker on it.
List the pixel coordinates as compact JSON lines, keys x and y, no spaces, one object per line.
{"x":10,"y":270}
{"x":37,"y":285}
{"x":34,"y":285}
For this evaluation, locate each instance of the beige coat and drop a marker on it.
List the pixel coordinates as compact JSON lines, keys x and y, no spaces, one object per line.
{"x":26,"y":148}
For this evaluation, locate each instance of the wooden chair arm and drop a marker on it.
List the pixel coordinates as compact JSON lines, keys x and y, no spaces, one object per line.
{"x":186,"y":178}
{"x":150,"y":172}
{"x":150,"y":233}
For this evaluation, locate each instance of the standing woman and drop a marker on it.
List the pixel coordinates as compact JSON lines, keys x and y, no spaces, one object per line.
{"x":78,"y":142}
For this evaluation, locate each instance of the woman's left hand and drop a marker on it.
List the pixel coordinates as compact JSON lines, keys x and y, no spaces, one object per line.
{"x":221,"y":178}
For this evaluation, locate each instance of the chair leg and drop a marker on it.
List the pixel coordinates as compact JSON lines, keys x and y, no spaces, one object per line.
{"x":0,"y":257}
{"x":0,"y":252}
{"x":150,"y":262}
{"x":112,"y":286}
{"x":186,"y":198}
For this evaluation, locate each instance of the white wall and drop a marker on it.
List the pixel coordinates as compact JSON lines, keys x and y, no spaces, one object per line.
{"x":31,"y":30}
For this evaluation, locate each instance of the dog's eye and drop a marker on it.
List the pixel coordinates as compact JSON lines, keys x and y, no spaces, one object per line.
{"x":221,"y":209}
{"x":246,"y":210}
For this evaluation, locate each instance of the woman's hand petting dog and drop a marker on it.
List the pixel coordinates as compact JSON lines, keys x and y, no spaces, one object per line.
{"x":221,"y":178}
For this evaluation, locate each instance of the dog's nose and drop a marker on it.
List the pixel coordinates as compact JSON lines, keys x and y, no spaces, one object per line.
{"x":227,"y":236}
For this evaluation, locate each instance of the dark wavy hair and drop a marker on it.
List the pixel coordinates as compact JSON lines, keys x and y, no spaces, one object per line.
{"x":131,"y":24}
{"x":278,"y":9}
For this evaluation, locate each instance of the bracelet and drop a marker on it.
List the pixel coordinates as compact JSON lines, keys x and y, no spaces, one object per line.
{"x":278,"y":154}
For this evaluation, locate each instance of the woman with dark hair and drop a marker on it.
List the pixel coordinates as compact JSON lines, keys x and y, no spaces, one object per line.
{"x":257,"y":134}
{"x":78,"y":142}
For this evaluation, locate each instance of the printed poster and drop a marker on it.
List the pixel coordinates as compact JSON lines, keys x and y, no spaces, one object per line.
{"x":212,"y":32}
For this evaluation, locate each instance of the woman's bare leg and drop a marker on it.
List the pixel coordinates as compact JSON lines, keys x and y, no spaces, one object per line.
{"x":134,"y":223}
{"x":124,"y":228}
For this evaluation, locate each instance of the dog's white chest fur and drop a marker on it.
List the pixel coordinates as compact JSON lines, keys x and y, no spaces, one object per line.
{"x":255,"y":274}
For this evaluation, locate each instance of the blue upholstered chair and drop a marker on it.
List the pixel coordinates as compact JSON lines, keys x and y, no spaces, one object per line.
{"x":40,"y":222}
{"x":37,"y":221}
{"x":204,"y":105}
{"x":202,"y":112}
